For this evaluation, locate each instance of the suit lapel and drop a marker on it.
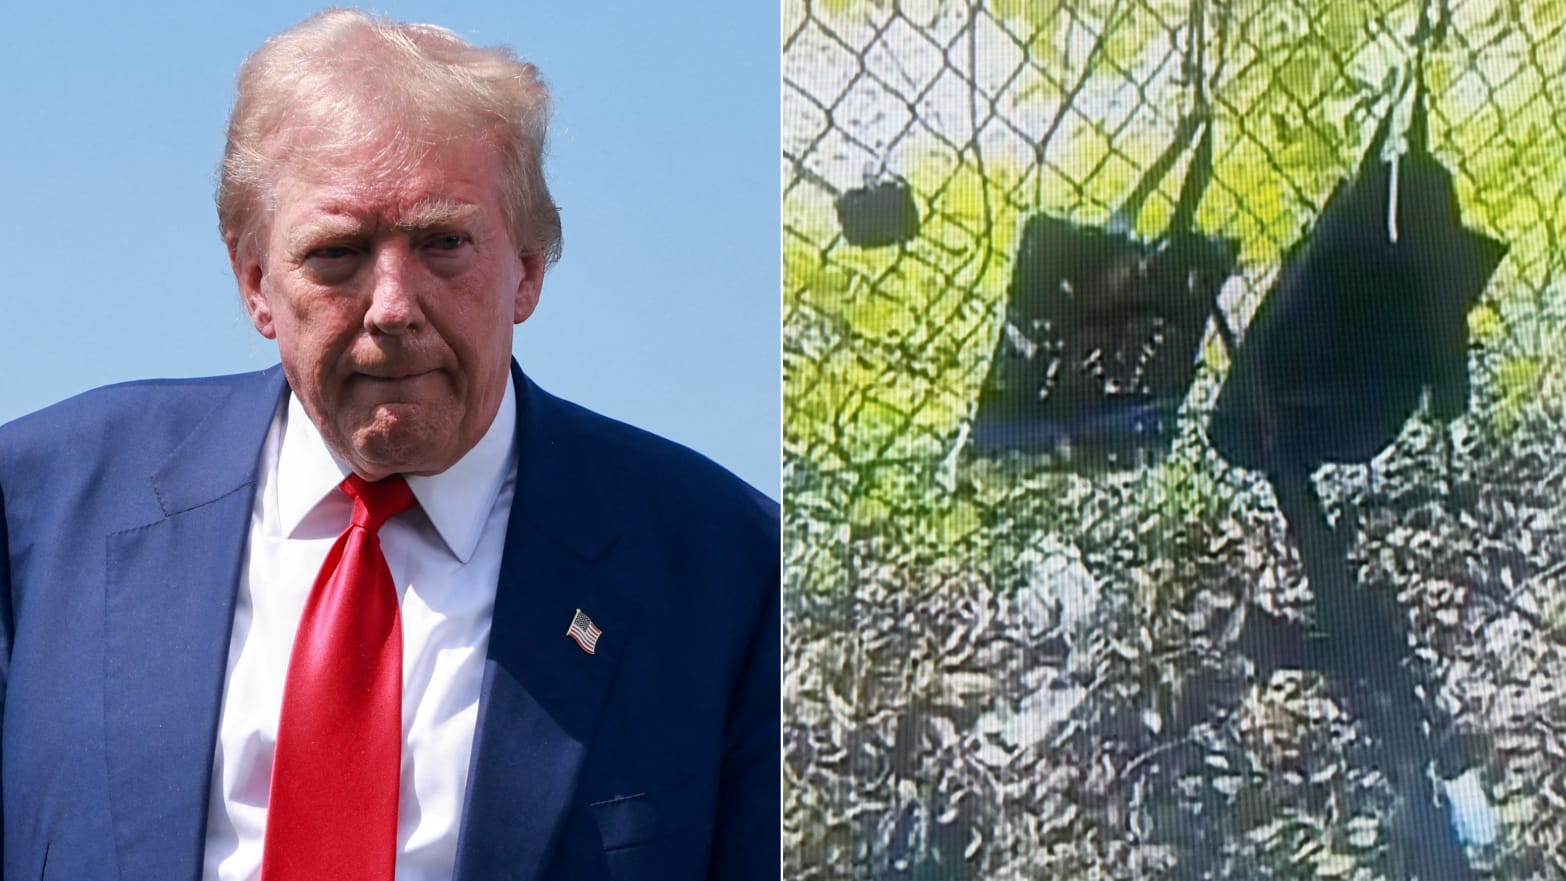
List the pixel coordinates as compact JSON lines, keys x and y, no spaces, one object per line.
{"x":169,"y":612}
{"x":542,"y":693}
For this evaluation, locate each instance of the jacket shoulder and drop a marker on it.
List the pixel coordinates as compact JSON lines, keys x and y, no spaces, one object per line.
{"x":635,"y":463}
{"x":126,"y":425}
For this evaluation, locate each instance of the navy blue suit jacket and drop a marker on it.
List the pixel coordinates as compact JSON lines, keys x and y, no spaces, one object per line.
{"x":125,"y":513}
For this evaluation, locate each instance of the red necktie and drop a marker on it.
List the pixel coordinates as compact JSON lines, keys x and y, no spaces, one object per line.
{"x":332,"y":812}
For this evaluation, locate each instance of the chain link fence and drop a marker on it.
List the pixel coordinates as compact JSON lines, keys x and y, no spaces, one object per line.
{"x":999,"y":667}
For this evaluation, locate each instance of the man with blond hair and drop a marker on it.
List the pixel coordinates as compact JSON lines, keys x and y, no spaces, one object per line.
{"x":388,"y":609}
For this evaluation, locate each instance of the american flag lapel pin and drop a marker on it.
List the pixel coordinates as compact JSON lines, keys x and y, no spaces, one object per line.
{"x":585,"y":632}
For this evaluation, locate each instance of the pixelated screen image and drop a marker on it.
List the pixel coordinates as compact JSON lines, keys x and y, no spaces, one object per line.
{"x":1174,"y":439}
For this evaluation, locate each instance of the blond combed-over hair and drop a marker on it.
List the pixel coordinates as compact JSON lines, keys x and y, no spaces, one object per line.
{"x":344,"y":78}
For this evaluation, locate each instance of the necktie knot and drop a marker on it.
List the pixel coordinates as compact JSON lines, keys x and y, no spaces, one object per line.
{"x":375,"y":503}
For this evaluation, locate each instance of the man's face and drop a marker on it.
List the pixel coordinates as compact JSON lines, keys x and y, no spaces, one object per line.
{"x":391,"y":294}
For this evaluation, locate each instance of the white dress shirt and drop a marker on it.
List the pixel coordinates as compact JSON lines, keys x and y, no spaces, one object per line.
{"x":444,"y":556}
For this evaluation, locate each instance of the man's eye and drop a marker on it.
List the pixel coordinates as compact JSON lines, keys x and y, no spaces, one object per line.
{"x":331,"y":264}
{"x":449,"y":243}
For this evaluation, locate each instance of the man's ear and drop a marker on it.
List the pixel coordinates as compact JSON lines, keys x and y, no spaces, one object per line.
{"x":529,"y":286}
{"x":245,"y":259}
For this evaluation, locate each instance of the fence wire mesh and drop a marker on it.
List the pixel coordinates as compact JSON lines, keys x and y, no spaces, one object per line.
{"x":997,"y":668}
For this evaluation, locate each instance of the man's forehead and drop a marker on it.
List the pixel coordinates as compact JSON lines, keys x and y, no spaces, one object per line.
{"x":367,"y":148}
{"x":326,"y":186}
{"x":352,"y":210}
{"x":441,"y":187}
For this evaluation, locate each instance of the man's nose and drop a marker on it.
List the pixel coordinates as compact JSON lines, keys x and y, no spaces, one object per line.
{"x":394,"y":293}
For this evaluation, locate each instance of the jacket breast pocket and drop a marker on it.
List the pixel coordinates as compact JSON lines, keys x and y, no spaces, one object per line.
{"x":682,"y":811}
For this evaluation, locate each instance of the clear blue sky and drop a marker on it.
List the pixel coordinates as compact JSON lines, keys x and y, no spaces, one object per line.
{"x":663,"y":312}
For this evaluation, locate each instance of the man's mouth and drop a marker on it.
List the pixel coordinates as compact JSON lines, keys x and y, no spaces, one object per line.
{"x":394,"y":375}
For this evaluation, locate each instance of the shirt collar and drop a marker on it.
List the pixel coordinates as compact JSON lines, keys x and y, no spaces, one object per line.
{"x":457,"y":501}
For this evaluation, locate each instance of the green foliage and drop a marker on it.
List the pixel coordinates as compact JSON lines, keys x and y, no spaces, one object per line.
{"x":885,"y":349}
{"x":1527,"y":381}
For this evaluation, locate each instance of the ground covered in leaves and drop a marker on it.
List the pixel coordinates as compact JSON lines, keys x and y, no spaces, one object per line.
{"x":1105,"y":682}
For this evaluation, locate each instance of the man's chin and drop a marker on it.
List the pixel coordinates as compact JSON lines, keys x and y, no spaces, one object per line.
{"x":402,"y":439}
